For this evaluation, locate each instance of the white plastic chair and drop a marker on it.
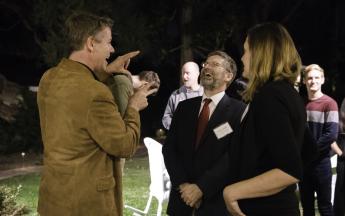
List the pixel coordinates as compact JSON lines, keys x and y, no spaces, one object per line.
{"x":160,"y":180}
{"x":334,"y":161}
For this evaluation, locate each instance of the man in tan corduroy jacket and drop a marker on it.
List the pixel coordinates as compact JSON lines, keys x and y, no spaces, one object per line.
{"x":83,"y":133}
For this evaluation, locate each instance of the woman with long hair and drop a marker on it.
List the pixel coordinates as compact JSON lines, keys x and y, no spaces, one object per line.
{"x":265,"y":155}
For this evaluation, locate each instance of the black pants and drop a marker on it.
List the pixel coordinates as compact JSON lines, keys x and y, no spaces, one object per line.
{"x":319,"y":180}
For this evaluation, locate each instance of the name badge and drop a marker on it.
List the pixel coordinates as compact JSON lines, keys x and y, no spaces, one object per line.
{"x":222,"y":130}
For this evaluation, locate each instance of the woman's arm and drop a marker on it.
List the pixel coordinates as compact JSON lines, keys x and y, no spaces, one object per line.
{"x":266,"y":184}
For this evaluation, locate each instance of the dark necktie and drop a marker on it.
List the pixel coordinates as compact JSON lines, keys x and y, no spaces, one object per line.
{"x":202,"y":121}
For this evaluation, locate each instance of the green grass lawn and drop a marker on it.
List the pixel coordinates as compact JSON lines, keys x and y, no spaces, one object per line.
{"x":136,"y":182}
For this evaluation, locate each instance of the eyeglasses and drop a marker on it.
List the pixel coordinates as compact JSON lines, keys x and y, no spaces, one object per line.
{"x":211,"y":64}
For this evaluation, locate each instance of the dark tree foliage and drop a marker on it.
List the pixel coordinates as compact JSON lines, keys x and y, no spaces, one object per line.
{"x":24,"y":133}
{"x":170,"y":32}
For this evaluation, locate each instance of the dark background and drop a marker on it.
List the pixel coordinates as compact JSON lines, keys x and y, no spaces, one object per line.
{"x":169,"y":33}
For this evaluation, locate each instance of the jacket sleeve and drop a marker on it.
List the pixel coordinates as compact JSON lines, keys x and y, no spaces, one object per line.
{"x":116,"y":136}
{"x":170,"y":153}
{"x":121,"y":89}
{"x":214,"y":180}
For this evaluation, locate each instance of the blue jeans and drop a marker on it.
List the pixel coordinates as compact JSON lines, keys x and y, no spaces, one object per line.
{"x":317,"y":179}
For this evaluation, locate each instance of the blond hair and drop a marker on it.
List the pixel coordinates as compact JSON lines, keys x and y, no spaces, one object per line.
{"x":311,"y":67}
{"x":273,"y":57}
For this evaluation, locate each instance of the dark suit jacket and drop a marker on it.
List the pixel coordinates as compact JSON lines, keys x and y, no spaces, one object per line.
{"x":205,"y":166}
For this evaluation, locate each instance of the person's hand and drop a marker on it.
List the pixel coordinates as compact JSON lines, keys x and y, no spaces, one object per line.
{"x":120,"y":64}
{"x":138,"y":100}
{"x":234,"y":208}
{"x":231,"y":203}
{"x":191,"y":195}
{"x":181,"y":186}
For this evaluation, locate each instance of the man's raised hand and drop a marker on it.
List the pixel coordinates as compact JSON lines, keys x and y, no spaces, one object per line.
{"x":120,"y":64}
{"x":139,"y":99}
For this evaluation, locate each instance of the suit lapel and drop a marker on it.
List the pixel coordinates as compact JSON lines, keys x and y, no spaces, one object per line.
{"x":216,"y":118}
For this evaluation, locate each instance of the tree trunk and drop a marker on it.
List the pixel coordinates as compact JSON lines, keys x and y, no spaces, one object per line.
{"x":186,"y":38}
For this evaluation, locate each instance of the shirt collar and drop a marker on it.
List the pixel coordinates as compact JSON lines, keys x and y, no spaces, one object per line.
{"x":215,"y":98}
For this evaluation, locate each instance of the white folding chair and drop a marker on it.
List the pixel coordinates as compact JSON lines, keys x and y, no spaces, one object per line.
{"x":160,"y":180}
{"x":334,"y":159}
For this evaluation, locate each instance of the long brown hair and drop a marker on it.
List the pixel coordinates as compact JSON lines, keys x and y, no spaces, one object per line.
{"x":273,"y":57}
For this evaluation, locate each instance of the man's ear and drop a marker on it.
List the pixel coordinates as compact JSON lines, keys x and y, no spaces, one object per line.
{"x":89,"y":44}
{"x":229,"y":77}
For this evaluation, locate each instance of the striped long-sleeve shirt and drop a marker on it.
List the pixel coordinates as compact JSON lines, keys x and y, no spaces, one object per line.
{"x":323,"y":119}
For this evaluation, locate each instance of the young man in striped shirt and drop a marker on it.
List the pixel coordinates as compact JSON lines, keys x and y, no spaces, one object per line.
{"x":322,"y":117}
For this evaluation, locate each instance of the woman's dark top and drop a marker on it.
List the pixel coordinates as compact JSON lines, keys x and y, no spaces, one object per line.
{"x":271,"y":136}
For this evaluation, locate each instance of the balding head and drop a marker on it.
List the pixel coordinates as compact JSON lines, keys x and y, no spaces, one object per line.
{"x":190,"y":73}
